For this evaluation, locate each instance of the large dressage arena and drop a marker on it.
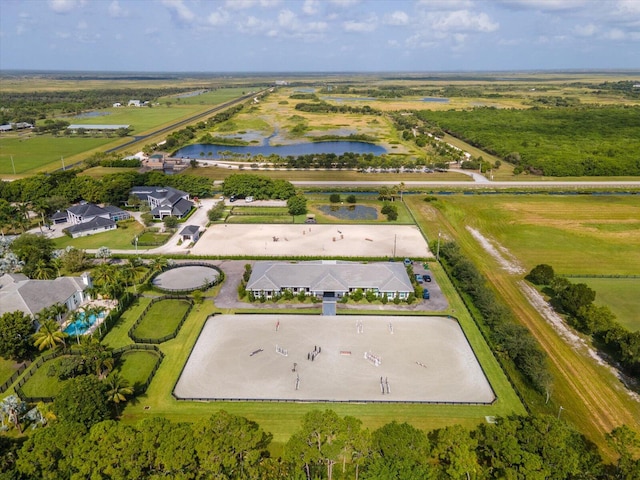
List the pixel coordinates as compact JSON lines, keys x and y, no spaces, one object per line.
{"x":333,"y":358}
{"x":318,"y":240}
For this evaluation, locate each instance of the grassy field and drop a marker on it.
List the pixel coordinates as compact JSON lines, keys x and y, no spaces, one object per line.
{"x":43,"y":152}
{"x":7,"y":368}
{"x":319,"y":204}
{"x":162,"y":319}
{"x":574,"y":234}
{"x":120,"y":238}
{"x":41,"y":384}
{"x":590,"y":394}
{"x":620,"y":295}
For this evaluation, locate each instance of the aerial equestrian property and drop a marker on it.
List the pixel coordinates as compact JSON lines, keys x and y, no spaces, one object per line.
{"x":89,"y":218}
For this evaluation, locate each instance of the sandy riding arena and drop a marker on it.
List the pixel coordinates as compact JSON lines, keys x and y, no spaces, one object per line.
{"x":333,"y":358}
{"x":313,"y":240}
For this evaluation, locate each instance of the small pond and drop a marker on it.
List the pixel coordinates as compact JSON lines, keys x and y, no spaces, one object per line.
{"x":350,"y":212}
{"x":435,"y":99}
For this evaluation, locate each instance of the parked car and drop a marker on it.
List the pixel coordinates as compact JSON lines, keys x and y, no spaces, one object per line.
{"x":248,"y":199}
{"x":418,"y":278}
{"x":426,"y":278}
{"x":425,"y":294}
{"x":407,"y":262}
{"x":232,"y":198}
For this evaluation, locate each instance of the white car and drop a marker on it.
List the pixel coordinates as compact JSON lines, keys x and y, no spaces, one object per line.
{"x":248,"y":199}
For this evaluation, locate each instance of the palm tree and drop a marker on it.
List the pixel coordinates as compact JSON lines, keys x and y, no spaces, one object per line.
{"x":97,"y":356}
{"x":79,"y":315}
{"x":49,"y":336}
{"x":105,"y":276}
{"x":117,"y":389}
{"x":158,"y":264}
{"x":43,"y":271}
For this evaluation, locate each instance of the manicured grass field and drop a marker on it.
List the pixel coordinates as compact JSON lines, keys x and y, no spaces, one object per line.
{"x":260,"y":219}
{"x":152,"y":237}
{"x":590,"y":234}
{"x":44,"y":152}
{"x":120,"y":238}
{"x":162,"y":319}
{"x":136,"y":366}
{"x":266,"y":211}
{"x":621,"y":295}
{"x":41,"y":384}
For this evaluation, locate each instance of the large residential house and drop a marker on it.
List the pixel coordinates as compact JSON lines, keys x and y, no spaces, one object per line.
{"x":18,"y":292}
{"x":164,"y":201}
{"x":329,"y":278}
{"x":89,"y":218}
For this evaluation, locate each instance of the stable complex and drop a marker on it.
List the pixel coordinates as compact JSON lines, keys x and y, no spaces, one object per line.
{"x":329,"y":278}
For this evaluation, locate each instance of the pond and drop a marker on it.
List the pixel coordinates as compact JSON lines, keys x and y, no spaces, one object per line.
{"x":350,"y":212}
{"x":435,"y":99}
{"x":307,"y":148}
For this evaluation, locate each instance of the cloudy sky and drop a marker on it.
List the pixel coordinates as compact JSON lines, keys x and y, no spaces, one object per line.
{"x":319,"y":35}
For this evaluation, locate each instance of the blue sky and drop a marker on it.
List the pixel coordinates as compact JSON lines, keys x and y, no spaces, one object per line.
{"x":319,"y":35}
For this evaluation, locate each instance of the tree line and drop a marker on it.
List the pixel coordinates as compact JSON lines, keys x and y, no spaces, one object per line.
{"x":576,"y":301}
{"x":33,"y":106}
{"x":497,"y":321}
{"x":325,"y":446}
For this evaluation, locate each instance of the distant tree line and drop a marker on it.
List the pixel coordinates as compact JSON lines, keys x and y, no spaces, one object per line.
{"x":33,"y":106}
{"x":259,"y":187}
{"x":576,"y":301}
{"x":325,"y":107}
{"x":497,"y":321}
{"x":325,"y":446}
{"x":573,"y":141}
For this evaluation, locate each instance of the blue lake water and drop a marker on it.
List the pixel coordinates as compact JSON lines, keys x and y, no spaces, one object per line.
{"x":435,"y":99}
{"x":337,"y":147}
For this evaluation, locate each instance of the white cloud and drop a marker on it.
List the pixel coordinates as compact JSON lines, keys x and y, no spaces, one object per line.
{"x":218,"y":18}
{"x":544,"y":5}
{"x":462,"y":21}
{"x":310,"y":7}
{"x":179,"y":10}
{"x":615,"y":34}
{"x":344,"y":3}
{"x":443,"y":5}
{"x":397,"y":18}
{"x":364,"y":26}
{"x":116,"y":11}
{"x":65,"y":6}
{"x":82,"y":25}
{"x":246,"y":4}
{"x":587,"y":30}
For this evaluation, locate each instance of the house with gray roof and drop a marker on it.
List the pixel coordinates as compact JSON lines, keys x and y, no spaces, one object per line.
{"x":18,"y":292}
{"x":329,"y":278}
{"x":89,"y":218}
{"x":190,"y":233}
{"x":164,"y":201}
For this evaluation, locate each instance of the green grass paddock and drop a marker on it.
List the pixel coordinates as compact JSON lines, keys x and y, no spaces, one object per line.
{"x":121,"y":238}
{"x":162,"y":319}
{"x":136,"y":366}
{"x":620,"y":295}
{"x":41,"y":384}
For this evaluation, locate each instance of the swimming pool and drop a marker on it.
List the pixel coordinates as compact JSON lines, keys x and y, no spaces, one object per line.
{"x":80,"y":327}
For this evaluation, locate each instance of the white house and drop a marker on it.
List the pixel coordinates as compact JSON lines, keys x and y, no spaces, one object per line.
{"x":89,"y":218}
{"x":18,"y":292}
{"x":134,"y":103}
{"x":117,"y":104}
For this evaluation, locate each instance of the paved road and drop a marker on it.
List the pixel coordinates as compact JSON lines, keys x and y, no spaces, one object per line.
{"x":474,"y":185}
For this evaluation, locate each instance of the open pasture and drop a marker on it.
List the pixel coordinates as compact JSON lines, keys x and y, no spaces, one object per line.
{"x":620,"y":295}
{"x":575,"y":234}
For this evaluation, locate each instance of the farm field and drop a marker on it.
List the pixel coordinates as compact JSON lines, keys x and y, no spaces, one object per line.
{"x":589,"y":234}
{"x":620,"y":295}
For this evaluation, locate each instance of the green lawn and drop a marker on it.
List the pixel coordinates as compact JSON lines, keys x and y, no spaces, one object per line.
{"x":118,"y":336}
{"x":120,"y":238}
{"x":42,"y":153}
{"x":257,"y":219}
{"x":7,"y":368}
{"x":620,"y":295}
{"x":41,"y":384}
{"x":153,"y":237}
{"x":162,"y":319}
{"x":213,"y":97}
{"x":247,"y":210}
{"x":316,"y":201}
{"x":136,"y":366}
{"x":585,"y":234}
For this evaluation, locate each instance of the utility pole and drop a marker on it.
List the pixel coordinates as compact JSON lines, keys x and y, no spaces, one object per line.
{"x":13,"y":165}
{"x":63,"y":168}
{"x":438,"y":250}
{"x":560,"y":411}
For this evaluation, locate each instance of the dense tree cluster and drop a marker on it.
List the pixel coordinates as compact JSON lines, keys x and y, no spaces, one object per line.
{"x":257,"y":186}
{"x":576,"y":301}
{"x":326,"y":446}
{"x":325,"y":107}
{"x":501,"y":328}
{"x":575,"y":141}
